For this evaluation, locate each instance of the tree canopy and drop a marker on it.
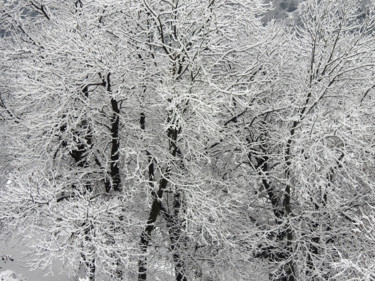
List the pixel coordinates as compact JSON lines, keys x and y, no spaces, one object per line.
{"x":190,"y":140}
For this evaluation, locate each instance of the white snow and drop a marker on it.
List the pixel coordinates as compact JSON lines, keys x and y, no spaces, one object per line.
{"x":9,"y":275}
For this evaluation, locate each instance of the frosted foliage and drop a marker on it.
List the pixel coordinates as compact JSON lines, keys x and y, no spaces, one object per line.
{"x":190,"y":140}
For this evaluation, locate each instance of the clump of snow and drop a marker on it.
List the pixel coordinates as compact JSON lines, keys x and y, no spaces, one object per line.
{"x":9,"y":275}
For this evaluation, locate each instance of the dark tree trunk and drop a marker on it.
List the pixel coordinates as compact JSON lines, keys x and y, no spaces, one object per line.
{"x":281,"y":210}
{"x":262,"y":165}
{"x":92,"y":269}
{"x":150,"y":226}
{"x":115,"y":180}
{"x":156,"y":205}
{"x":83,"y":143}
{"x":175,"y":236}
{"x":89,"y":256}
{"x":154,"y":211}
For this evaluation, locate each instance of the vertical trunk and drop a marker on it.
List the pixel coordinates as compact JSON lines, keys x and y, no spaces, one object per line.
{"x":154,"y":212}
{"x":290,"y":266}
{"x":314,"y":251}
{"x":173,"y":224}
{"x":156,"y":207}
{"x":280,"y":215}
{"x":175,"y":236}
{"x":89,"y":256}
{"x":115,"y":179}
{"x":83,"y":143}
{"x":262,"y":164}
{"x":150,"y":226}
{"x":92,"y":269}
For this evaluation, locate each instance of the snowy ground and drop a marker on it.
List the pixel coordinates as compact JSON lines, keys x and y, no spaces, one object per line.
{"x":9,"y":275}
{"x":16,"y":268}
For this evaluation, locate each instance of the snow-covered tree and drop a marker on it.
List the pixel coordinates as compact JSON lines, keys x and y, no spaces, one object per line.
{"x":306,"y":145}
{"x":189,"y":140}
{"x":118,"y":104}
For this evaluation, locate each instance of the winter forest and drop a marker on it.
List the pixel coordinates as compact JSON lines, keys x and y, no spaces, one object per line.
{"x":190,"y":140}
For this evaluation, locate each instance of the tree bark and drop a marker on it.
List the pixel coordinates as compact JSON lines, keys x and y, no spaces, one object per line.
{"x":150,"y":226}
{"x":175,"y":236}
{"x":115,"y":178}
{"x":156,"y":206}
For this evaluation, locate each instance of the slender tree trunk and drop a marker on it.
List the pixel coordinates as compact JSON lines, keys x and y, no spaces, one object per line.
{"x":154,"y":211}
{"x":150,"y":226}
{"x":262,"y":164}
{"x":156,"y":205}
{"x":280,"y":212}
{"x":175,"y":236}
{"x":89,"y":257}
{"x":115,"y":178}
{"x":290,"y":266}
{"x":92,"y":269}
